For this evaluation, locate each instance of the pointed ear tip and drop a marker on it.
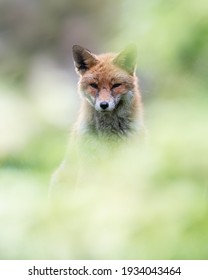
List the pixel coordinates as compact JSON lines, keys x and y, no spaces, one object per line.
{"x":131,"y":49}
{"x":76,"y":47}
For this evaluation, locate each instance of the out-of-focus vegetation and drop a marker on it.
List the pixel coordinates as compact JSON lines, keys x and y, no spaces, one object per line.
{"x":137,"y":203}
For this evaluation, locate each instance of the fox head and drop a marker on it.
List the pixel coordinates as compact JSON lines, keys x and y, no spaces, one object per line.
{"x":108,"y":79}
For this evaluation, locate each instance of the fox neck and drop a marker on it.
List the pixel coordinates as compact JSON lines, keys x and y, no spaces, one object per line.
{"x":119,"y":122}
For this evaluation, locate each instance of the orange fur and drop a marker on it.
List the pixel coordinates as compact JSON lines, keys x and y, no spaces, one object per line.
{"x":111,"y":101}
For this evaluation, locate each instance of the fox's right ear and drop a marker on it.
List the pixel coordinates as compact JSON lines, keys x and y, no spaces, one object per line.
{"x":127,"y":59}
{"x":83,"y":59}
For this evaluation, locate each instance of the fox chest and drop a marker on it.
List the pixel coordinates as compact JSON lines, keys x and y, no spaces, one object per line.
{"x":110,"y":124}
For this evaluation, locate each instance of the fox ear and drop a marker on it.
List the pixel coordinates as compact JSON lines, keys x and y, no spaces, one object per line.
{"x":83,"y":59}
{"x":127,"y":59}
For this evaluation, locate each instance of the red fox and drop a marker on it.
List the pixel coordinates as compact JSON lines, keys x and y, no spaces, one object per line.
{"x":111,"y":102}
{"x":111,"y":108}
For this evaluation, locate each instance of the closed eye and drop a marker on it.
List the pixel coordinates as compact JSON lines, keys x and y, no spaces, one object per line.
{"x":116,"y":85}
{"x":94,"y":85}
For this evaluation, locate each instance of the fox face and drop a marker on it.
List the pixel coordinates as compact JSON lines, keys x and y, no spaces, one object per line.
{"x":106,"y":80}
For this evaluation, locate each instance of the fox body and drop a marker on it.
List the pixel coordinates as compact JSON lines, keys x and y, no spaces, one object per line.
{"x":111,"y":102}
{"x":111,"y":109}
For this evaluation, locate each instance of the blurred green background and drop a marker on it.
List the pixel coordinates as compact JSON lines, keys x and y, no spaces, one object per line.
{"x":142,"y":203}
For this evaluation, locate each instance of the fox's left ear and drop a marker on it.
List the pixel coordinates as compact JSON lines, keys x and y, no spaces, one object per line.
{"x":127,"y":59}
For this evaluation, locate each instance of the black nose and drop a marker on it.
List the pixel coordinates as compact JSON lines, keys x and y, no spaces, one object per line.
{"x":104,"y":105}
